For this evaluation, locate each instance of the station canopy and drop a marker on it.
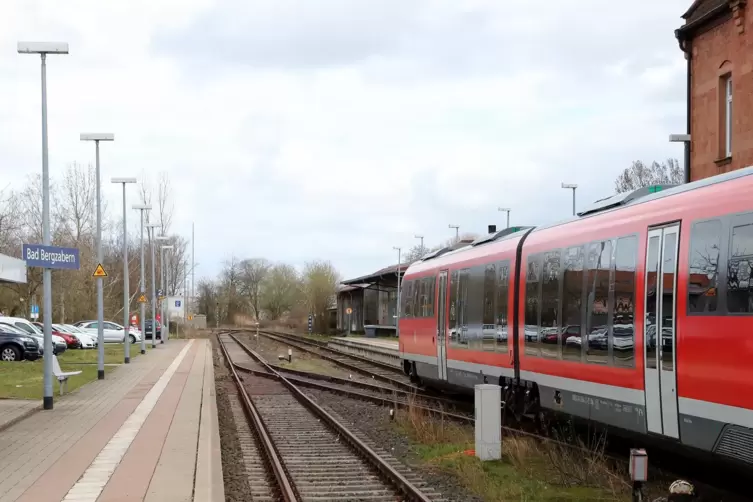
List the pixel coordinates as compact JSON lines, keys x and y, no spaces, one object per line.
{"x":387,"y":274}
{"x":12,"y":270}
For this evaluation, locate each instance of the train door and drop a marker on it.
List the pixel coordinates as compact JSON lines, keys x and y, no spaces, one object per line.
{"x":442,"y":325}
{"x":659,"y":330}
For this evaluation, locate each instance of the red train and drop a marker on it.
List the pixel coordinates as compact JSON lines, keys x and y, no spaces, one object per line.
{"x":637,"y":314}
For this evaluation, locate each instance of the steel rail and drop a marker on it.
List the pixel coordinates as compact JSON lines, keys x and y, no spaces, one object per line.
{"x":352,"y":367}
{"x":405,"y":486}
{"x":284,"y":483}
{"x":321,"y":345}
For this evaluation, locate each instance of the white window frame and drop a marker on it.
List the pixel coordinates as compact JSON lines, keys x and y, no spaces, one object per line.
{"x":728,"y":117}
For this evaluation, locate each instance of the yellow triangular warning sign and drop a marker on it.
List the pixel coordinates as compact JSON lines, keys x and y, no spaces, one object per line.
{"x":142,"y":299}
{"x":100,"y":271}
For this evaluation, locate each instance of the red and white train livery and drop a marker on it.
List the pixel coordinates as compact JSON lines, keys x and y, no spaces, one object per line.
{"x":637,"y":314}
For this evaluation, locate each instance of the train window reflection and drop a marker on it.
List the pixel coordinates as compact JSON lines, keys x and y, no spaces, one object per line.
{"x":488,"y":340}
{"x":623,"y":317}
{"x":739,"y":283}
{"x":453,"y":315}
{"x":407,"y":299}
{"x":669,"y":269}
{"x":572,"y":291}
{"x":532,"y":306}
{"x":597,"y":302}
{"x":652,"y":267}
{"x":503,"y":280}
{"x":550,"y":304}
{"x":705,"y":242}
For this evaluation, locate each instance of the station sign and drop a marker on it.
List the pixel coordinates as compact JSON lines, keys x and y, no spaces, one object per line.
{"x":38,"y":255}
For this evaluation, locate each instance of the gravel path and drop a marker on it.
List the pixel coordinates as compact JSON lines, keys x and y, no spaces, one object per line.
{"x":373,"y":422}
{"x":233,"y":470}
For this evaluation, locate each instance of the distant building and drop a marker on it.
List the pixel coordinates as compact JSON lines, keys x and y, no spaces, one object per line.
{"x":717,"y":39}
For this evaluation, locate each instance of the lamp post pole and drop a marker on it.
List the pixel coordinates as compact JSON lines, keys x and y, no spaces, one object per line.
{"x":142,"y":282}
{"x":97,"y":137}
{"x":397,"y":307}
{"x":571,"y":186}
{"x":44,"y":48}
{"x":507,"y":210}
{"x":152,"y":238}
{"x":457,"y":232}
{"x":126,"y":285}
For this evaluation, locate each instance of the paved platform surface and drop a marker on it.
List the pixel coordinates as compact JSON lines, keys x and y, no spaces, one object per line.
{"x":384,"y":343}
{"x":148,"y":431}
{"x":13,"y":410}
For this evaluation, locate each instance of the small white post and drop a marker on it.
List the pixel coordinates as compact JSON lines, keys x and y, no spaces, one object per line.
{"x":488,"y":421}
{"x":290,"y":355}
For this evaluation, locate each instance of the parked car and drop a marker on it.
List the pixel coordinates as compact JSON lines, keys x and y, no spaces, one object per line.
{"x":148,"y":329}
{"x":112,"y":332}
{"x":71,"y":340}
{"x":58,"y":343}
{"x":17,"y":347}
{"x":88,"y":341}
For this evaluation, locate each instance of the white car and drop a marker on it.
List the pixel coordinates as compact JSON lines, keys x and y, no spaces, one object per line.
{"x":70,"y":328}
{"x":25,"y":326}
{"x":112,"y":332}
{"x":87,"y":341}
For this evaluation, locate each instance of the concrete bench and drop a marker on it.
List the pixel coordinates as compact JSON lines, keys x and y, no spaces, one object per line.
{"x":61,"y":375}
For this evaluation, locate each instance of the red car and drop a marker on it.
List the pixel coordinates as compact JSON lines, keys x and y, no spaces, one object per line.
{"x":70,"y":340}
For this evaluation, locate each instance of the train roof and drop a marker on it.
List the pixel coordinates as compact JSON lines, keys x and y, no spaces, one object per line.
{"x":599,"y":207}
{"x":647,"y":194}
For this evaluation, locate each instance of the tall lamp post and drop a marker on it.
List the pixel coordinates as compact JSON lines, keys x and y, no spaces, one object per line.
{"x":142,"y":282}
{"x":572,"y":187}
{"x":457,"y":232}
{"x":44,"y":48}
{"x":126,"y":285}
{"x":163,"y":286}
{"x":421,"y":237}
{"x":152,"y":237}
{"x":506,"y":210}
{"x":685,"y":139}
{"x":97,"y":137}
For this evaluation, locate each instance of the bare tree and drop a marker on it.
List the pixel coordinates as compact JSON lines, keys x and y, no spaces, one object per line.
{"x":280,"y":290}
{"x":253,"y":273}
{"x":165,"y":203}
{"x":319,"y":285}
{"x":640,"y":175}
{"x":79,"y":199}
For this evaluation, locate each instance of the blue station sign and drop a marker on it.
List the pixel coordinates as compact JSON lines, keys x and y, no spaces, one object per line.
{"x":38,"y":255}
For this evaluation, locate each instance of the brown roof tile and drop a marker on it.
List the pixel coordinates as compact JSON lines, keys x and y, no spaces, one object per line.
{"x":699,"y":8}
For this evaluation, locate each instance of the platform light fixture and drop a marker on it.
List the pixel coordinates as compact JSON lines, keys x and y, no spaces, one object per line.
{"x":571,"y":186}
{"x":506,"y":210}
{"x":44,"y":48}
{"x":126,"y":286}
{"x":142,"y":283}
{"x":457,"y":232}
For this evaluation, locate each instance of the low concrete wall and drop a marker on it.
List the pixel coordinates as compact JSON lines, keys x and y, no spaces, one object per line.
{"x":381,"y":354}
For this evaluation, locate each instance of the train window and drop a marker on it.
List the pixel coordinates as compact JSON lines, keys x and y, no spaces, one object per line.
{"x":488,"y":338}
{"x":739,"y":281}
{"x":406,"y":299}
{"x":430,"y":293}
{"x":652,"y":267}
{"x":475,"y":307}
{"x":705,"y":242}
{"x":454,"y":286}
{"x":532,"y":307}
{"x":597,"y":302}
{"x":503,"y":283}
{"x":623,"y":310}
{"x":572,"y":301}
{"x":550,"y":304}
{"x":463,"y":300}
{"x":421,"y":310}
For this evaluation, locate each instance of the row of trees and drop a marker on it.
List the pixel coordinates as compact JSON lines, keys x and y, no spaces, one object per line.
{"x":73,"y":223}
{"x":254,"y":289}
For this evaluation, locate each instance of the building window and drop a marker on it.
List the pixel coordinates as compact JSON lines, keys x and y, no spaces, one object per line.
{"x":727,"y":113}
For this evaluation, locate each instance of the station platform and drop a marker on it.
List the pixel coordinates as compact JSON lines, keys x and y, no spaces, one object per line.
{"x":389,"y":343}
{"x":148,"y":431}
{"x":377,"y":349}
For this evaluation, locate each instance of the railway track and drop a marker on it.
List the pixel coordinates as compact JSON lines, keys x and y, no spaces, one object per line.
{"x":377,"y":370}
{"x":309,"y":454}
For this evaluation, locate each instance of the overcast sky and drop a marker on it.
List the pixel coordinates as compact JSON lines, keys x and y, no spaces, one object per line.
{"x":337,"y":129}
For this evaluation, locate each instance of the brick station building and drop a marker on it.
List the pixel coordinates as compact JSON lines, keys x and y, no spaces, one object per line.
{"x":717,"y":39}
